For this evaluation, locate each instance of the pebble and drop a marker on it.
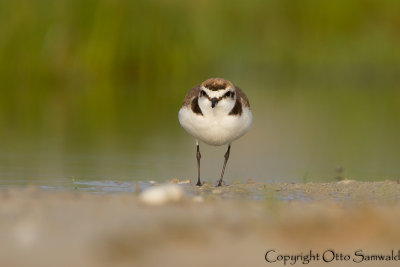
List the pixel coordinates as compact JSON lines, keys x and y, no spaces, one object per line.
{"x":160,"y":195}
{"x":217,"y":191}
{"x":174,"y":181}
{"x":346,"y":181}
{"x":177,"y":181}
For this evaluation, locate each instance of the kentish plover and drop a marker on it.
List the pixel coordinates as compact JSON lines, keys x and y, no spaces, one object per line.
{"x":217,"y":113}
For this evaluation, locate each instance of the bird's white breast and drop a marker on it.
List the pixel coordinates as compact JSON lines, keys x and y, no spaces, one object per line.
{"x":215,"y":129}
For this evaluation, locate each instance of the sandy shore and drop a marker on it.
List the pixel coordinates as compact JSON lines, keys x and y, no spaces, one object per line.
{"x":230,"y":226}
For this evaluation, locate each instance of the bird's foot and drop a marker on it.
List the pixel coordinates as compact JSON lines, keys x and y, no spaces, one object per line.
{"x":220,"y":183}
{"x":199,"y":183}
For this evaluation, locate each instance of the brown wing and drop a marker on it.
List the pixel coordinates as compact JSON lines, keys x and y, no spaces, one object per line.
{"x":191,"y":94}
{"x":242,"y":97}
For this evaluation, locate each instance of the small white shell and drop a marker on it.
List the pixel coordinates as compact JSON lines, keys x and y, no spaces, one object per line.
{"x":160,"y":195}
{"x":345,"y":181}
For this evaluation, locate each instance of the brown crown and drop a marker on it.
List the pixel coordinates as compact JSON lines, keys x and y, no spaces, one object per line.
{"x":216,"y":84}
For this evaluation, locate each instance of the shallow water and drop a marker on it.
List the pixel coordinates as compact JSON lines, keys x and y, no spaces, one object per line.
{"x":296,"y":138}
{"x":346,"y":191}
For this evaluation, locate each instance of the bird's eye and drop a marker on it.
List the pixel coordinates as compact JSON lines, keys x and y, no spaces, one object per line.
{"x":229,"y":93}
{"x":202,"y":93}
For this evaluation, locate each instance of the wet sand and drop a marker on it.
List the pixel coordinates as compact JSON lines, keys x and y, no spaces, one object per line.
{"x":233,"y":225}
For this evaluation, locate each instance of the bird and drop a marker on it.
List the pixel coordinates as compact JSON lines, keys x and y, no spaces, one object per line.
{"x":215,"y":112}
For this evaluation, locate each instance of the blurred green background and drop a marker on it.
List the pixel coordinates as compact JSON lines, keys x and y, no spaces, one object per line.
{"x":91,"y":89}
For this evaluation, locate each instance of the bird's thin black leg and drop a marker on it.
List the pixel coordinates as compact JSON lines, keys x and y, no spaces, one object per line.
{"x":223,"y":168}
{"x":198,"y":164}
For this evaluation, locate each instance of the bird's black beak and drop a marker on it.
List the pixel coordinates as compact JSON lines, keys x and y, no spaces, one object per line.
{"x":214,"y":101}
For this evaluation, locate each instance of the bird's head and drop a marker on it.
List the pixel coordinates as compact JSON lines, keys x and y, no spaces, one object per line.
{"x":217,"y":95}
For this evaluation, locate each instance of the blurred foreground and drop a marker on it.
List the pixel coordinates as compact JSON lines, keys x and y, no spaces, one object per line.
{"x":208,"y":226}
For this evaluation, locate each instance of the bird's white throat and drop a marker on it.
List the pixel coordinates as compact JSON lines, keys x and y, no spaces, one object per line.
{"x":222,"y":108}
